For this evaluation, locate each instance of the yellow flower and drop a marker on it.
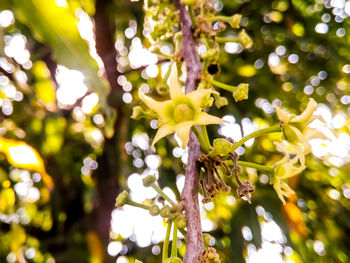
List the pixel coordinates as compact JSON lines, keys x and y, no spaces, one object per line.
{"x":181,"y":112}
{"x":295,"y":129}
{"x":283,"y":170}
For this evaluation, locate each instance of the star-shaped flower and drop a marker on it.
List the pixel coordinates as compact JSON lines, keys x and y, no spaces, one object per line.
{"x":283,"y":170}
{"x":181,"y":112}
{"x":295,"y":129}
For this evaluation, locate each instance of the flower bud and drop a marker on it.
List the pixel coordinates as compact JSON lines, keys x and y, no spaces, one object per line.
{"x":162,"y":88}
{"x":122,"y":199}
{"x":245,"y":39}
{"x":235,"y":20}
{"x":291,"y":134}
{"x":138,"y":113}
{"x":207,"y":102}
{"x":220,"y":101}
{"x":148,"y":180}
{"x":222,"y":146}
{"x":154,"y":210}
{"x":182,"y":222}
{"x":137,"y":261}
{"x":241,"y":92}
{"x":165,"y":211}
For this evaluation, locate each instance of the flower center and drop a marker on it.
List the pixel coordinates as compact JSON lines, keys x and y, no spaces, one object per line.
{"x":182,"y":113}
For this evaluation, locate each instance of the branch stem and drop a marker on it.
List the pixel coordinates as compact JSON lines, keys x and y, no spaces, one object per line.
{"x":222,"y":85}
{"x":130,"y":202}
{"x":260,"y":167}
{"x":205,"y":135}
{"x":275,"y":128}
{"x":166,"y":242}
{"x":174,"y":243}
{"x":219,"y":18}
{"x":193,"y":20}
{"x":161,"y":193}
{"x":201,"y":140}
{"x":225,"y":39}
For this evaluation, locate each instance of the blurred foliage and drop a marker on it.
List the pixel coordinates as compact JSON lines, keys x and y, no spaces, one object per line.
{"x":44,"y":221}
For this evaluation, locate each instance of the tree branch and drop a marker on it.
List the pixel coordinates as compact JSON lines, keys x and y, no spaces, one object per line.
{"x":189,"y":195}
{"x":107,"y":174}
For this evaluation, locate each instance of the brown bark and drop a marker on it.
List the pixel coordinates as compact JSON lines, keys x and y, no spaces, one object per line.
{"x":189,"y":195}
{"x":107,"y":175}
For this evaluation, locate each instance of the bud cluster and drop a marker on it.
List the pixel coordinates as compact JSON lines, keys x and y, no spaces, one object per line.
{"x":210,"y":256}
{"x":214,"y":164}
{"x":173,"y":212}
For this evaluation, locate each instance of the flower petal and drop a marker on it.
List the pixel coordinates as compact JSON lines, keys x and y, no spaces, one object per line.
{"x":205,"y":119}
{"x":174,"y":86}
{"x":156,"y":106}
{"x":307,"y":113}
{"x":286,"y":190}
{"x":198,"y":95}
{"x":283,"y":148}
{"x":183,"y":131}
{"x":163,"y":131}
{"x":282,"y":115}
{"x":278,"y":190}
{"x":312,"y":133}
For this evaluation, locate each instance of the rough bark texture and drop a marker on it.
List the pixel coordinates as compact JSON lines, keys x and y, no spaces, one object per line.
{"x":107,"y":175}
{"x":189,"y":195}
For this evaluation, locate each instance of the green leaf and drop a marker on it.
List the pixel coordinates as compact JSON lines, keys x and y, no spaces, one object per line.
{"x":57,"y":27}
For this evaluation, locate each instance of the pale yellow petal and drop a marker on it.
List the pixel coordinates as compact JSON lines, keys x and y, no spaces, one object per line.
{"x":278,"y":190}
{"x":307,"y":113}
{"x":282,"y":115}
{"x":183,"y":131}
{"x":163,"y":131}
{"x":298,"y":133}
{"x":205,"y":119}
{"x":174,"y":85}
{"x":286,"y":190}
{"x":300,"y":153}
{"x":283,"y":148}
{"x":312,"y":133}
{"x":157,"y":106}
{"x":198,"y":95}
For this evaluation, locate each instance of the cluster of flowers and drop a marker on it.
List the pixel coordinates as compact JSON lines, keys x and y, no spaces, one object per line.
{"x":296,"y":135}
{"x":183,"y":111}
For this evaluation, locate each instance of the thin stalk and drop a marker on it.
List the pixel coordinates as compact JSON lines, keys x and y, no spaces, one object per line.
{"x":222,"y":85}
{"x":225,"y":39}
{"x":166,"y":242}
{"x":201,"y":140}
{"x":205,"y":66}
{"x":205,"y":135}
{"x":256,"y":166}
{"x":193,"y":20}
{"x":275,"y":128}
{"x":130,"y":202}
{"x":167,"y":74}
{"x":161,"y":193}
{"x":174,"y":243}
{"x":164,"y":55}
{"x":218,"y":18}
